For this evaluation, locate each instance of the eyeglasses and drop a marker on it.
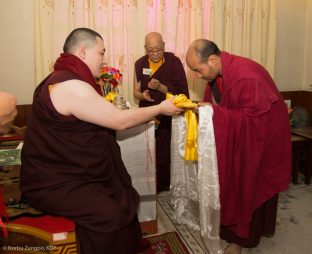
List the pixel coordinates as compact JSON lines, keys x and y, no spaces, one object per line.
{"x":154,"y":51}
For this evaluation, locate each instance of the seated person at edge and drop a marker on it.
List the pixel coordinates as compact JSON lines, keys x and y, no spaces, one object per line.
{"x":7,"y":114}
{"x":158,"y":73}
{"x":7,"y":111}
{"x":71,"y":162}
{"x":251,"y":129}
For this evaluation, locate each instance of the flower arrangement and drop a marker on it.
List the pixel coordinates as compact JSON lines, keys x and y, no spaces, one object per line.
{"x":109,"y":80}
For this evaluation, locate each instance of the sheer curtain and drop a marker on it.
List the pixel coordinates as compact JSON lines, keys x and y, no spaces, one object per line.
{"x":123,"y":25}
{"x":245,"y":27}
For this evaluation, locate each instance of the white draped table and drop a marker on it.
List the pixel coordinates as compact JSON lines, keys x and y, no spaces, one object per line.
{"x":137,"y":147}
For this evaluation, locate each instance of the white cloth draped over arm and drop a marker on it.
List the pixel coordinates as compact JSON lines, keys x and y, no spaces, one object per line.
{"x":194,"y":190}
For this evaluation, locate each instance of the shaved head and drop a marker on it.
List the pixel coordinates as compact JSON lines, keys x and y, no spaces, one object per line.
{"x":203,"y":49}
{"x":80,"y":36}
{"x":153,"y":38}
{"x":154,"y":46}
{"x":203,"y":57}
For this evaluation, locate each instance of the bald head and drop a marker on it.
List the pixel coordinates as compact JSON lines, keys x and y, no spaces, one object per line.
{"x":203,"y":48}
{"x":154,"y":46}
{"x":203,"y":57}
{"x":153,"y":38}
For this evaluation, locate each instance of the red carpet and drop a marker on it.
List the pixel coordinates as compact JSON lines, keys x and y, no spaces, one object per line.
{"x":167,"y":243}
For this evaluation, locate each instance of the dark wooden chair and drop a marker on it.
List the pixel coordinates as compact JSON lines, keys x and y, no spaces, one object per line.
{"x":299,"y":157}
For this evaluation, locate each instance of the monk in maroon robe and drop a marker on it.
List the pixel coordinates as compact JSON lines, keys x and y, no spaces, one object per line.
{"x":158,"y":73}
{"x":252,"y":135}
{"x":71,"y":162}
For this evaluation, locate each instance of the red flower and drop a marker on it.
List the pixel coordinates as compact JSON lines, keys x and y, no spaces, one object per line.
{"x":110,"y":75}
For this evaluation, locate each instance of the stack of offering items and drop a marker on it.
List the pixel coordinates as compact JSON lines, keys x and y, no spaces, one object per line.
{"x":120,"y":102}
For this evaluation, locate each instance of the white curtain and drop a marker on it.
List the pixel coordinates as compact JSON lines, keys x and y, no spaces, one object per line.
{"x":245,"y":27}
{"x":123,"y":25}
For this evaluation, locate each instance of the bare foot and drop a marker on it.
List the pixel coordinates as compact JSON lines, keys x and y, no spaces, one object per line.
{"x":233,"y":248}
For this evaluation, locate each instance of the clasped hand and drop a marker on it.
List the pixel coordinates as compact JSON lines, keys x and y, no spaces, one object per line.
{"x":146,"y":96}
{"x":154,"y":84}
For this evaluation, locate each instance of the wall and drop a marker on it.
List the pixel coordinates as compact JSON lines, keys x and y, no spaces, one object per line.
{"x":290,"y":44}
{"x":17,"y":73}
{"x":293,"y":48}
{"x":307,"y":81}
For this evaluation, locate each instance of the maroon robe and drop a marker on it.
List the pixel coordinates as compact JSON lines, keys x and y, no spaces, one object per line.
{"x":252,"y":134}
{"x":171,"y":74}
{"x":74,"y":169}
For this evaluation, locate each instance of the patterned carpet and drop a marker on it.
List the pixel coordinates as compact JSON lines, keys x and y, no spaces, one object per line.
{"x":167,"y":243}
{"x":293,"y":229}
{"x":191,"y":238}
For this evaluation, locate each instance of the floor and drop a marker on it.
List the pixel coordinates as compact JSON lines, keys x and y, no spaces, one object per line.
{"x":293,"y":231}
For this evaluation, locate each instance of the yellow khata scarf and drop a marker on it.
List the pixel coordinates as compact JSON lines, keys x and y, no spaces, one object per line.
{"x":181,"y":101}
{"x":154,"y":66}
{"x":110,"y":97}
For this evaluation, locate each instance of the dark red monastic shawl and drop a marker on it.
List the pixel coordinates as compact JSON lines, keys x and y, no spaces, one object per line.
{"x":71,"y":63}
{"x":74,"y":168}
{"x":252,"y":134}
{"x":171,"y":74}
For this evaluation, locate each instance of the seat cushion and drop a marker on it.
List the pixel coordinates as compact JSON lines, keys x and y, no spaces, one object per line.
{"x":48,"y":223}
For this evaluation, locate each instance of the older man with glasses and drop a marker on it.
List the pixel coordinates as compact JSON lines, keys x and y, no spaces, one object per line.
{"x":157,"y":73}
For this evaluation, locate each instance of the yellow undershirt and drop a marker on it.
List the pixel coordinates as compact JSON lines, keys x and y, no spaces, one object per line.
{"x":50,"y":88}
{"x":154,"y":66}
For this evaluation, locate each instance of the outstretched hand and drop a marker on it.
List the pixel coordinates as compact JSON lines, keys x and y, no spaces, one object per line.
{"x":154,"y":84}
{"x":169,"y":109}
{"x":147,"y":96}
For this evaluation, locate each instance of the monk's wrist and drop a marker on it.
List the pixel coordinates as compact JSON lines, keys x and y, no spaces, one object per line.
{"x":162,"y":88}
{"x":143,"y":98}
{"x":159,"y":86}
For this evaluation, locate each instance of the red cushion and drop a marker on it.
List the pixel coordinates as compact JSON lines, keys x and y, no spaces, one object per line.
{"x":48,"y":223}
{"x":11,"y":137}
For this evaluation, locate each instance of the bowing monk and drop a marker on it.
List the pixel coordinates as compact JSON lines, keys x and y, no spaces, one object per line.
{"x":157,"y":73}
{"x":71,"y":162}
{"x":252,"y":135}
